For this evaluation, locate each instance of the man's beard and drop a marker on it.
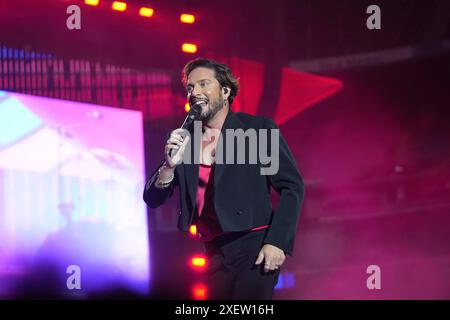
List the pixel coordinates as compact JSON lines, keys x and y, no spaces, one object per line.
{"x":214,"y":109}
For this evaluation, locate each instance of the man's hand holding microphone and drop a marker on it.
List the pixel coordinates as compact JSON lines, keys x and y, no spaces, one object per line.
{"x":175,"y":147}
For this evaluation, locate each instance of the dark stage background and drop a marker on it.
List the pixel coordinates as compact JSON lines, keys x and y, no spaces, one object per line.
{"x":365,"y":113}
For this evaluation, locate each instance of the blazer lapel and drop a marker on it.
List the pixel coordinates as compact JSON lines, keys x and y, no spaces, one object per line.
{"x":191,"y":171}
{"x":231,"y":122}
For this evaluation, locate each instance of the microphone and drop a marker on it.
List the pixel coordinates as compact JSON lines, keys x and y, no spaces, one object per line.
{"x":193,"y":115}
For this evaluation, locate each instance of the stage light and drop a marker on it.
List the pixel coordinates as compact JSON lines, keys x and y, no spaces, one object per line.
{"x":285,"y":280}
{"x":91,"y":2}
{"x":189,"y":48}
{"x":17,"y":120}
{"x":193,"y":228}
{"x":146,"y":12}
{"x":119,"y":6}
{"x":198,"y":262}
{"x":187,"y":107}
{"x":199,"y":292}
{"x":187,"y":18}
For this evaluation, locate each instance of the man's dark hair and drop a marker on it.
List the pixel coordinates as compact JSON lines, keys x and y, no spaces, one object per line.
{"x":223,"y":74}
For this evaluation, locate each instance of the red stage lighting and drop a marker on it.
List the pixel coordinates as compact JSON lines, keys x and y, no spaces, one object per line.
{"x":199,"y":291}
{"x":198,"y":262}
{"x":189,"y":48}
{"x":91,"y":2}
{"x":119,"y":6}
{"x":187,"y":18}
{"x":146,"y":12}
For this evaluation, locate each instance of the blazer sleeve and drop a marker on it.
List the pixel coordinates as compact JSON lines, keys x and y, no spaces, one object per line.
{"x":288,"y":182}
{"x":153,"y":196}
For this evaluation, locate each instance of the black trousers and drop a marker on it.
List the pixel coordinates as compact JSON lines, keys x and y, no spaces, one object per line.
{"x":231,"y":271}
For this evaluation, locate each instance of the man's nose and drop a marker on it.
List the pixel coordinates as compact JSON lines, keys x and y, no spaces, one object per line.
{"x":196,"y":91}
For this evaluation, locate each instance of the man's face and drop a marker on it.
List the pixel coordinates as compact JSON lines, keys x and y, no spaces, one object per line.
{"x":204,"y":89}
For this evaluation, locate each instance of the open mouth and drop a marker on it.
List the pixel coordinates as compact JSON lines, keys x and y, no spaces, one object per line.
{"x":200,"y":102}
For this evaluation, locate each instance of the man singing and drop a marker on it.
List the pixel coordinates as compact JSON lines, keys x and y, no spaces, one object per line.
{"x":225,"y":190}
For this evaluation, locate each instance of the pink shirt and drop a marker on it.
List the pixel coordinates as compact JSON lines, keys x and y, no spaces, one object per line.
{"x":208,"y":226}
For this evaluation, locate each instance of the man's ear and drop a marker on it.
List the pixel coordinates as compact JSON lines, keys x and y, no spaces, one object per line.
{"x":226,"y":92}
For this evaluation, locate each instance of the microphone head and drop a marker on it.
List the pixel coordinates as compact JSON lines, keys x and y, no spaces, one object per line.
{"x":196,"y":112}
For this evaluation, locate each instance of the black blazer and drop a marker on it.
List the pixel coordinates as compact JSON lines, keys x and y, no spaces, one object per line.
{"x":241,"y":194}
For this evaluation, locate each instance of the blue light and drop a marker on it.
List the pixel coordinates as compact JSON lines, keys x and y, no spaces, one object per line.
{"x":290,"y":280}
{"x":16,"y":121}
{"x":285,"y":280}
{"x":280,"y":283}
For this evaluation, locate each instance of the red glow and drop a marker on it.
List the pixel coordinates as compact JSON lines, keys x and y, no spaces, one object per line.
{"x":189,"y":48}
{"x":119,"y":6}
{"x":187,"y":18}
{"x":198,"y":262}
{"x":146,"y":12}
{"x":315,"y":89}
{"x":91,"y":2}
{"x":199,"y":292}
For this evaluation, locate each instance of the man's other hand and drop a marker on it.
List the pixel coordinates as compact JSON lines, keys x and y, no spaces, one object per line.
{"x":272,"y":256}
